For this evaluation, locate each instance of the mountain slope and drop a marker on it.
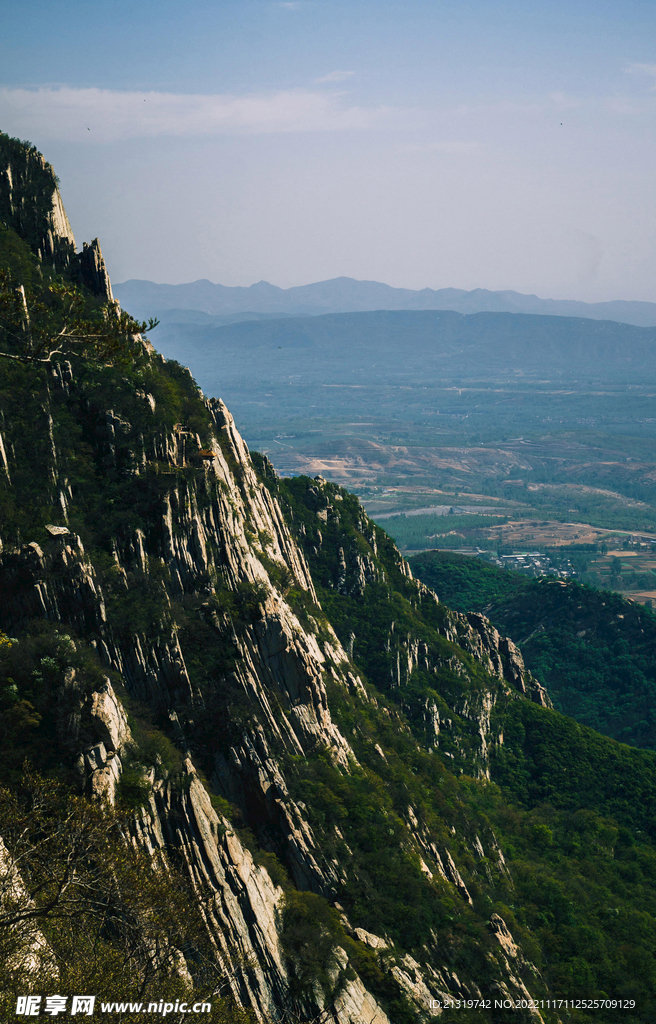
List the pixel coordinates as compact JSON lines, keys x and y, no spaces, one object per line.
{"x":593,"y":650}
{"x":179,"y":586}
{"x":363,"y":798}
{"x":364,"y":348}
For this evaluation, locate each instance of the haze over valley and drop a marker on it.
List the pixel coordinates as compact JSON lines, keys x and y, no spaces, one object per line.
{"x":327,"y":607}
{"x":527,"y":418}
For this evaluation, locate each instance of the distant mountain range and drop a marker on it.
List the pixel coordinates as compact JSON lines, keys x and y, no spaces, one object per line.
{"x":346,"y":295}
{"x":404,"y":346}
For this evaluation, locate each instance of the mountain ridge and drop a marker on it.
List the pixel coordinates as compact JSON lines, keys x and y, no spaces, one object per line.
{"x":364,"y":799}
{"x":347,"y":295}
{"x":364,"y":347}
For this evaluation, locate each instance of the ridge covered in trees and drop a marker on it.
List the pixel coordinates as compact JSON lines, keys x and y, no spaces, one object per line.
{"x":536,"y":819}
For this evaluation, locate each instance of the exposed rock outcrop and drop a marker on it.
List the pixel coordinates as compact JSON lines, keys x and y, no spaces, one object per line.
{"x":30,"y":203}
{"x":221,"y":528}
{"x":209,"y":562}
{"x":93,"y":272}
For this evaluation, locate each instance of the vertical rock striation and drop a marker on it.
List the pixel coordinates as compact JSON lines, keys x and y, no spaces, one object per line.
{"x":199,"y":590}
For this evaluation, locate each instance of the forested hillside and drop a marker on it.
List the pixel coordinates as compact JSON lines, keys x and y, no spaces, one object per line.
{"x":247,"y":758}
{"x":594,"y":650}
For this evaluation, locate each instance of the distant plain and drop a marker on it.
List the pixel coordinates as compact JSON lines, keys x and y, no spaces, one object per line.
{"x":498,"y":430}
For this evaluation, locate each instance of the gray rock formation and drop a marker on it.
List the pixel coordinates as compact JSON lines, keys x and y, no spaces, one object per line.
{"x":218,"y":543}
{"x":93,"y":272}
{"x":226,"y":530}
{"x":30,"y":203}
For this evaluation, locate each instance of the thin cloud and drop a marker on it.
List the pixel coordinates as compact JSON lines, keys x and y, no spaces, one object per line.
{"x":626,"y":106}
{"x":565,"y":102}
{"x":67,"y":113}
{"x":441,"y":147}
{"x":334,"y":76}
{"x":643,"y":69}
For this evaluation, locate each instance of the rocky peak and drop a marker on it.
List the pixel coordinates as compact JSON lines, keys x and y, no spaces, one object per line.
{"x":30,"y":203}
{"x":93,"y":272}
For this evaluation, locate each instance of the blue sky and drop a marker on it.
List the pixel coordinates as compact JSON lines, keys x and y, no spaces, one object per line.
{"x":464,"y":144}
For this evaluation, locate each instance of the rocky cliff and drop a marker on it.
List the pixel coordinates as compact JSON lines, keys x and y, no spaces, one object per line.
{"x":291,"y":725}
{"x":216,"y":547}
{"x":31,"y":205}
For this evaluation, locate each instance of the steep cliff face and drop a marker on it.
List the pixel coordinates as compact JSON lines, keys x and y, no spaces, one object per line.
{"x":225,"y":640}
{"x":411,"y":643}
{"x":92,"y":270}
{"x":31,"y":205}
{"x":244,"y":668}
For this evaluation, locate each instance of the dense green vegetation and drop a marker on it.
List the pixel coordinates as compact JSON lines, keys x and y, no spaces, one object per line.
{"x":465,"y":583}
{"x":116,"y":930}
{"x":577,"y":812}
{"x":113,"y":925}
{"x":593,"y":650}
{"x":120,"y":933}
{"x":449,"y":531}
{"x":386,"y":892}
{"x":34,"y":181}
{"x":33,"y":709}
{"x":106,"y":501}
{"x":573,"y":810}
{"x":388,"y":608}
{"x":18,"y":261}
{"x":52,"y":317}
{"x":570,"y":810}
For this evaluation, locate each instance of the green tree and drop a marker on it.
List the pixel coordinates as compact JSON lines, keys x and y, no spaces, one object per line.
{"x":58,"y":321}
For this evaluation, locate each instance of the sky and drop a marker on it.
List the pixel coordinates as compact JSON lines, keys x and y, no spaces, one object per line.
{"x":423,"y":143}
